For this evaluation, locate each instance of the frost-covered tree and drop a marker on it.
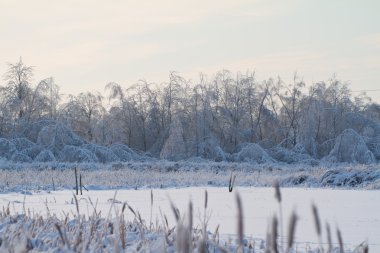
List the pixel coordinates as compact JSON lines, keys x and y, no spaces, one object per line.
{"x":213,"y":117}
{"x":18,"y":87}
{"x":82,"y":113}
{"x":174,"y":148}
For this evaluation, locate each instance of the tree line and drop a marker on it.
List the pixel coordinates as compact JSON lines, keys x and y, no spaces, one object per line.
{"x":226,"y":110}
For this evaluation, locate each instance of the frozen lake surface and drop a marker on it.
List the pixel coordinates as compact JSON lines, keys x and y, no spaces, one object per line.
{"x":355,"y":212}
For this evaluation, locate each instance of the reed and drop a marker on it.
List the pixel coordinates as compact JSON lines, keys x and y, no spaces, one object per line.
{"x":292,"y":231}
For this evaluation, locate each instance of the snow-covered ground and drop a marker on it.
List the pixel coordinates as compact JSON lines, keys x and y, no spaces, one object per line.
{"x":355,"y":212}
{"x":347,"y":196}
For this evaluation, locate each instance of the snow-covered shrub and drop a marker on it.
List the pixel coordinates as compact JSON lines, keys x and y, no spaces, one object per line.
{"x":358,"y":122}
{"x":45,"y":156}
{"x":210,"y":149}
{"x":22,"y":143}
{"x":350,"y":147}
{"x":174,"y":147}
{"x":7,"y":148}
{"x":20,"y":157}
{"x":33,"y":151}
{"x":266,"y":144}
{"x":371,"y":136}
{"x":374,"y":145}
{"x":55,"y":137}
{"x":31,"y":131}
{"x":76,"y":154}
{"x":308,"y":127}
{"x":348,"y":178}
{"x":252,"y":152}
{"x":103,"y":154}
{"x":123,"y":152}
{"x":297,"y":155}
{"x":325,"y":148}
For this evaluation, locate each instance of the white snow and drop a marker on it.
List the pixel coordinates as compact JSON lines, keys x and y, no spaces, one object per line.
{"x":355,"y":212}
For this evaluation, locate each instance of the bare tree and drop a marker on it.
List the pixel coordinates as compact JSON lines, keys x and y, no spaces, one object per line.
{"x":18,"y":79}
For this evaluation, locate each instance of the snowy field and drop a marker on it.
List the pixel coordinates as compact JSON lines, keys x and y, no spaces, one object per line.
{"x":355,"y":212}
{"x":347,"y":197}
{"x":164,"y":174}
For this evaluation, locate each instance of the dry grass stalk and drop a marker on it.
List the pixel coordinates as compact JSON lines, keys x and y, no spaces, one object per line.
{"x":52,"y":180}
{"x":317,"y":222}
{"x":122,"y":233}
{"x":175,"y":211}
{"x":76,"y":204}
{"x":191,"y":215}
{"x":329,"y":240}
{"x":231,"y":183}
{"x":340,"y":241}
{"x":60,"y":233}
{"x":240,"y":219}
{"x":206,"y":199}
{"x":278,"y":196}
{"x":274,"y":234}
{"x":151,"y":210}
{"x":268,"y":239}
{"x":80,"y":184}
{"x":365,"y":248}
{"x":131,"y":209}
{"x":76,"y":180}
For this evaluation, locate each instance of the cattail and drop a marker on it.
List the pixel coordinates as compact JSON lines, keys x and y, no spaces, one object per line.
{"x":274,"y":234}
{"x":76,"y":180}
{"x":123,"y":208}
{"x":279,"y":199}
{"x":340,"y":240}
{"x":151,"y":209}
{"x":329,"y":240}
{"x":191,"y":216}
{"x":80,"y":184}
{"x":240,"y":219}
{"x":292,"y":230}
{"x":231,"y":183}
{"x":206,"y":199}
{"x":277,"y":191}
{"x":316,"y":219}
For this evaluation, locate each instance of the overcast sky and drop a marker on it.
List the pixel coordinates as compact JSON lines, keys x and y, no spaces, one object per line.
{"x":86,"y":44}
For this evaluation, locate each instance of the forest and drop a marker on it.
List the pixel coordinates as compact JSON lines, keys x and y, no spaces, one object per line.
{"x":224,"y":117}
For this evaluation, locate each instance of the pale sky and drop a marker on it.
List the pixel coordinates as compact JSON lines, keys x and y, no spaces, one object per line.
{"x":84,"y":44}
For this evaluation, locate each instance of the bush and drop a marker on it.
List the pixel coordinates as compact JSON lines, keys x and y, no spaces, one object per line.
{"x":123,"y":152}
{"x":56,"y":137}
{"x":23,"y":143}
{"x":103,"y":154}
{"x":7,"y":148}
{"x":20,"y":157}
{"x":76,"y":154}
{"x":252,"y":152}
{"x":45,"y":156}
{"x":350,"y":147}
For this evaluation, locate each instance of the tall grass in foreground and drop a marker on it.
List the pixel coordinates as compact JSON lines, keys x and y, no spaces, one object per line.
{"x":128,"y":232}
